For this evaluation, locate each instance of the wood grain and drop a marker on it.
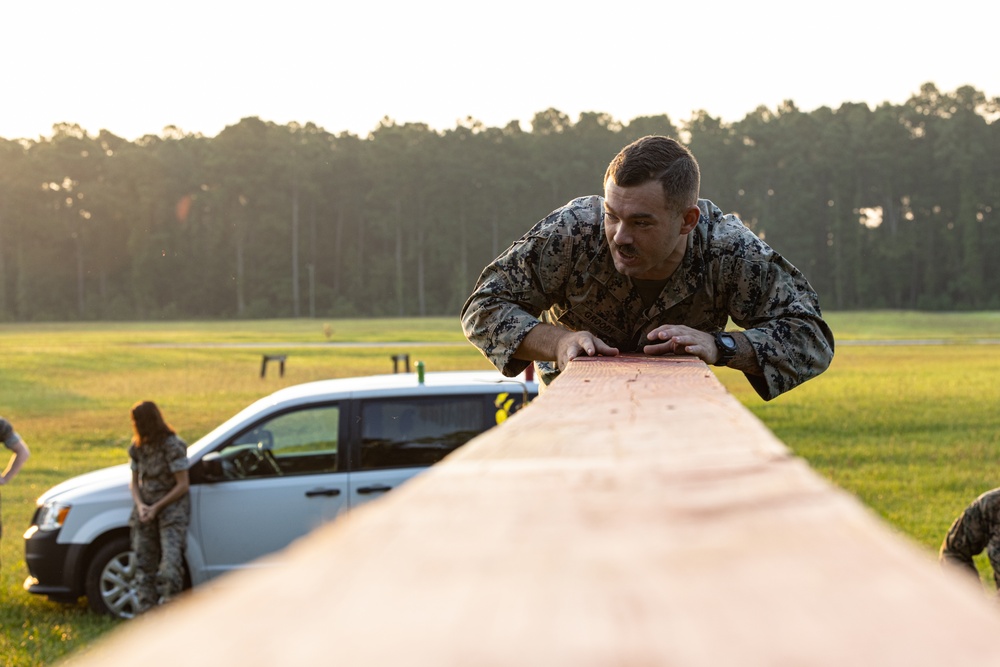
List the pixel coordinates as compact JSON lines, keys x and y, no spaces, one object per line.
{"x":634,"y":514}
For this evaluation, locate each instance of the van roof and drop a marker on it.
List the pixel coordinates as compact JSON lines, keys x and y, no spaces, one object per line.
{"x":393,"y":383}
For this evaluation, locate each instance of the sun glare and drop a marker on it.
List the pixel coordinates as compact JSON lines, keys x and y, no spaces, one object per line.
{"x":870,"y":217}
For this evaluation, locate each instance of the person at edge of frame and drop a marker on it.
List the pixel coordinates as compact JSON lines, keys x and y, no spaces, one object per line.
{"x":975,"y":530}
{"x":19,"y":455}
{"x":649,"y":267}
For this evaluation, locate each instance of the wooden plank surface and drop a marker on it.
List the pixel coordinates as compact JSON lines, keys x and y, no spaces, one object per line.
{"x":635,"y":514}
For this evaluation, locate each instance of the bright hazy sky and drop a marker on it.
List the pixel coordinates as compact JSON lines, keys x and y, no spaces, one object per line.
{"x":134,"y":67}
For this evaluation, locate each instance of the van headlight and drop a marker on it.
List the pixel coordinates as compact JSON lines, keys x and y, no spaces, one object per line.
{"x":52,"y":515}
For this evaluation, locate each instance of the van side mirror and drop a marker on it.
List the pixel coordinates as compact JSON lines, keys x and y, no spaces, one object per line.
{"x":208,"y":469}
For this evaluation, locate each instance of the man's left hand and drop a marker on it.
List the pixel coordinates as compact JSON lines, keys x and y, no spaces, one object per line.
{"x":679,"y":339}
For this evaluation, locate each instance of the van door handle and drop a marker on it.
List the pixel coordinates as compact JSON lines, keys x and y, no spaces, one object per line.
{"x":378,"y":488}
{"x":322,"y":492}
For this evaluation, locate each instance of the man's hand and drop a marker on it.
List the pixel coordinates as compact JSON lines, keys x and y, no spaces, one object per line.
{"x":581,"y":343}
{"x":679,"y":339}
{"x":547,"y":342}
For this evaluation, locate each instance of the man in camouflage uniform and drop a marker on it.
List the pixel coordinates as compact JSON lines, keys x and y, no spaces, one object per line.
{"x":160,"y":519}
{"x":649,"y":268}
{"x":977,"y":528}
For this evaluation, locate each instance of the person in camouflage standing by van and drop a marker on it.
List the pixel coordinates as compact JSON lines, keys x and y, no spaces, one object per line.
{"x":162,"y":510}
{"x":20,"y":453}
{"x":651,"y":268}
{"x":975,"y":530}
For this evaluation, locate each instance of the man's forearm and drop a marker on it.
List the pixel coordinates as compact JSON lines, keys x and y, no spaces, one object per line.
{"x":17,"y":461}
{"x":541,"y":343}
{"x":547,"y":342}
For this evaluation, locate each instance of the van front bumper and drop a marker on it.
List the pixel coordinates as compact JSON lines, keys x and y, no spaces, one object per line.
{"x":53,"y":567}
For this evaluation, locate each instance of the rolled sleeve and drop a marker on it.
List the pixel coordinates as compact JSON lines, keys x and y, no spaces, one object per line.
{"x":8,"y":435}
{"x":512,"y":293}
{"x":177,"y":455}
{"x":785,"y":327}
{"x":496,"y":326}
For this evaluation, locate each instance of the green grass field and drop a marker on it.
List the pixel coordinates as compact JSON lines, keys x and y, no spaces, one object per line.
{"x":910,"y":429}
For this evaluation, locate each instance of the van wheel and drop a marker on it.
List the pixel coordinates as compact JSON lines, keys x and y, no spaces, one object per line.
{"x":109,"y":585}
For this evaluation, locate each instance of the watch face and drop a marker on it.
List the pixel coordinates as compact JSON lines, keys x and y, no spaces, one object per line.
{"x":728,"y":342}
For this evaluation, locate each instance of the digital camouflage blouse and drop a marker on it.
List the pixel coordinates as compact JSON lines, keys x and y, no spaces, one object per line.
{"x":562,"y":272}
{"x":976,"y":530}
{"x":156,"y":465}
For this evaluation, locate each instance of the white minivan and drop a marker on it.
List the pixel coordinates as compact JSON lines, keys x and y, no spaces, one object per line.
{"x":269,"y":475}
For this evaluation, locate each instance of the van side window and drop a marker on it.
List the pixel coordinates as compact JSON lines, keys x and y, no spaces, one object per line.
{"x":419,"y":431}
{"x":300,"y":442}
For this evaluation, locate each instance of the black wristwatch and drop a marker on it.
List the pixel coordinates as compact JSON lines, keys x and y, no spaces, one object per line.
{"x":727,"y":347}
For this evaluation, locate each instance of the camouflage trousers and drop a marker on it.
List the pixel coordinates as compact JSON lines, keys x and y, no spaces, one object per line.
{"x":159,"y":550}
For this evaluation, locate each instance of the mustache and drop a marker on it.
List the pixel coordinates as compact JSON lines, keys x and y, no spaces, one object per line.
{"x":628,"y":249}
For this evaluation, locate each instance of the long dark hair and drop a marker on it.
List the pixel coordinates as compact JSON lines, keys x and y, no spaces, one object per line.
{"x":148,"y":426}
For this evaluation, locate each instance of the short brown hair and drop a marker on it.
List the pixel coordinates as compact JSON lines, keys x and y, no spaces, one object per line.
{"x":661,"y":159}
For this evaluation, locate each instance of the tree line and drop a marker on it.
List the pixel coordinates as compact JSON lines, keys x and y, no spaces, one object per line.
{"x":892,"y":207}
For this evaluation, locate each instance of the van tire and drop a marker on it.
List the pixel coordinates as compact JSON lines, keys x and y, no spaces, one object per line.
{"x":109,"y":582}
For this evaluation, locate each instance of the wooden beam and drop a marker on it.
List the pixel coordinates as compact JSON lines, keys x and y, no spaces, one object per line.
{"x":635,"y":514}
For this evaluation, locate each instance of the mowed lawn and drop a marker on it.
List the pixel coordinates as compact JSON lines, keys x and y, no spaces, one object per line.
{"x":910,"y":429}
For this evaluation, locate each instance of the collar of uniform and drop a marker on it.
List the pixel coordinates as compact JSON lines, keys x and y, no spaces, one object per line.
{"x":683,"y":283}
{"x":687,"y":278}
